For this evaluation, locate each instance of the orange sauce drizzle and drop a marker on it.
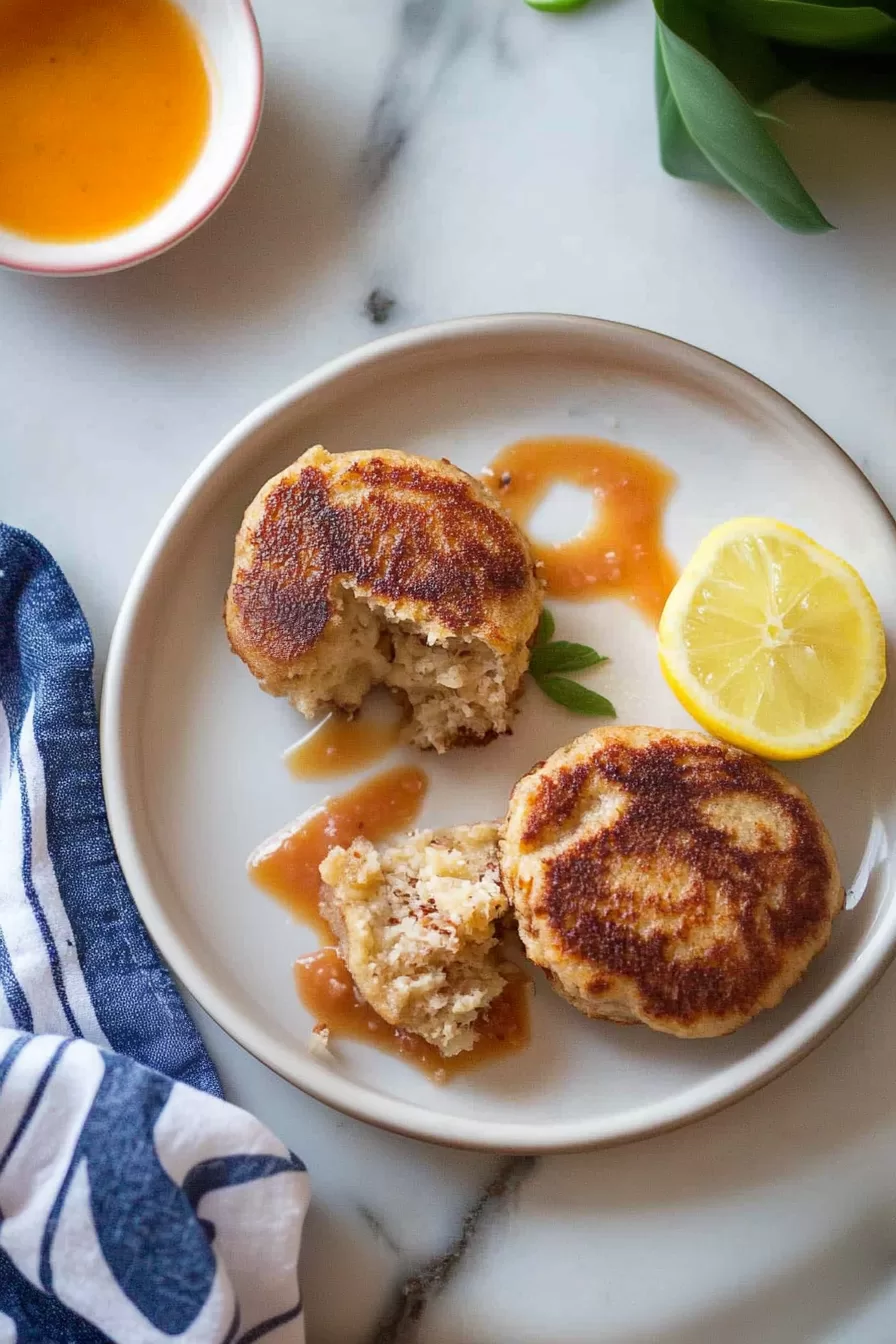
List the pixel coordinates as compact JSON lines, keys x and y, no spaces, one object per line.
{"x":341,"y":745}
{"x":287,"y":866}
{"x":328,"y":992}
{"x":621,"y":554}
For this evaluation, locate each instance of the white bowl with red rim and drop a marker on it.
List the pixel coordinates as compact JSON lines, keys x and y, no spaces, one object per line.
{"x":231,"y":48}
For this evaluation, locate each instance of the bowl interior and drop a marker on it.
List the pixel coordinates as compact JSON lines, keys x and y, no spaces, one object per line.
{"x":232,"y":50}
{"x":192,"y":747}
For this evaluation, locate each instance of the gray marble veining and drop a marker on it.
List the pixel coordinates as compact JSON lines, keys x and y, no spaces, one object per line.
{"x":379,"y":1229}
{"x":431,"y":35}
{"x":401,"y":1322}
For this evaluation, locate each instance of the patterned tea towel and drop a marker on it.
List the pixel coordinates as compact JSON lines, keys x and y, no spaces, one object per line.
{"x":134,"y":1207}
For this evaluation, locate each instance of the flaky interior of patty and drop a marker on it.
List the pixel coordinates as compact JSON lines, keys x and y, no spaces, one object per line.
{"x":352,"y":654}
{"x":454,"y":690}
{"x":416,"y":928}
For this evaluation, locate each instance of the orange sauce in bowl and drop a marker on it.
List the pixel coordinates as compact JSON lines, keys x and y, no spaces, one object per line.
{"x":104,"y":109}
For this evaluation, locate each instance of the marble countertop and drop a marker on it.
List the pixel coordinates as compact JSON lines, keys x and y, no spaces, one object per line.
{"x":423,"y":159}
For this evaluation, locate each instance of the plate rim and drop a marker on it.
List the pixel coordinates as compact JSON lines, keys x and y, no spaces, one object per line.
{"x":358,"y":1100}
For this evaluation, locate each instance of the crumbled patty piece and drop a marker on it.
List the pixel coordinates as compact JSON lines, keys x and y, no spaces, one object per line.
{"x":667,"y":878}
{"x":416,"y":924}
{"x":355,"y":569}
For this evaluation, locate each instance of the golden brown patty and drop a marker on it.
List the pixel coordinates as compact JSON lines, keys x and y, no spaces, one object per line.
{"x":357,"y":568}
{"x":666,"y":878}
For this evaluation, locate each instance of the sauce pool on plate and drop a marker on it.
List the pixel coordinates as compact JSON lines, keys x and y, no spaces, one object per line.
{"x":104,"y":109}
{"x":328,"y":992}
{"x":621,"y":553}
{"x":287,"y":864}
{"x":341,"y":744}
{"x":287,"y":867}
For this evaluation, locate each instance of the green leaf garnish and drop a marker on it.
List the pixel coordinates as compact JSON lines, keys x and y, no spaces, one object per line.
{"x":718,"y":61}
{"x":724,"y":129}
{"x":563,"y":657}
{"x":571,"y":695}
{"x":754,"y":67}
{"x":679,"y":153}
{"x":809,"y":23}
{"x":556,"y":6}
{"x":551,"y":656}
{"x":545,"y":629}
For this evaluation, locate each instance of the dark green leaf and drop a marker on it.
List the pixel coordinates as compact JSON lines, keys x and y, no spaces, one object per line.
{"x":727,"y":131}
{"x":546,"y":627}
{"x":578,"y":698}
{"x":810,"y":24}
{"x":679,"y":155}
{"x":865,"y":77}
{"x":754,"y":66}
{"x":556,"y":6}
{"x":750,"y":62}
{"x":563,"y":657}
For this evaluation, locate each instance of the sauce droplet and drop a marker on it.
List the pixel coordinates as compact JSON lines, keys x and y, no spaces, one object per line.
{"x":287,"y":864}
{"x":622,"y":553}
{"x":328,"y":992}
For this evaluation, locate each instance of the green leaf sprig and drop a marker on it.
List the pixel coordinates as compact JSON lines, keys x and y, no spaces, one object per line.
{"x":708,"y":129}
{"x":556,"y":6}
{"x":717,"y":62}
{"x":551,"y":656}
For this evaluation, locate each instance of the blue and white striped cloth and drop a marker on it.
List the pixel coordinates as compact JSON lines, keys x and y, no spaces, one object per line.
{"x":133,"y":1207}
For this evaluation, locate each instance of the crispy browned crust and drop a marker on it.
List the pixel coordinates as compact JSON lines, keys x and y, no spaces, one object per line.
{"x":417,"y":534}
{"x":692,"y":902}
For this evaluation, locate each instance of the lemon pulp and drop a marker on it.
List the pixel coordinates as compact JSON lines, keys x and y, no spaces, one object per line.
{"x":772,"y":642}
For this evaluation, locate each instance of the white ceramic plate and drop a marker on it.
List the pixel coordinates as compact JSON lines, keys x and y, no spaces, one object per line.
{"x":191,"y":747}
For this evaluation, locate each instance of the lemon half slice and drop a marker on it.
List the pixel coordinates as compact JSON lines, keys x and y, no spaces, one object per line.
{"x":771,"y":642}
